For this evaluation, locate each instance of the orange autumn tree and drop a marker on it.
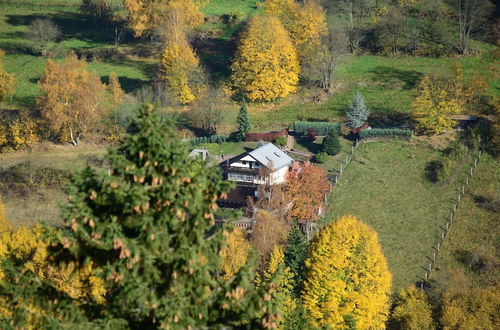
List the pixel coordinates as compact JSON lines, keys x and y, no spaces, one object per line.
{"x":307,"y":190}
{"x":266,"y":66}
{"x":71,"y":98}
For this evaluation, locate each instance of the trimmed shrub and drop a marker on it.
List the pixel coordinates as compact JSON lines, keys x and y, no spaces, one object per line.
{"x":384,"y":132}
{"x":311,"y":134}
{"x":267,"y":136}
{"x":321,"y":127}
{"x":331,"y":144}
{"x":321,"y":157}
{"x":209,"y":139}
{"x":280,"y":142}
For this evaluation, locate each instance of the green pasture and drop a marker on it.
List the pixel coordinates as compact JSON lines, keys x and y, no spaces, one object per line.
{"x":384,"y":186}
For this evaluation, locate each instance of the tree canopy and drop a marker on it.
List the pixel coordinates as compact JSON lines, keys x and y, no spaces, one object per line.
{"x":266,"y":65}
{"x":347,"y":282}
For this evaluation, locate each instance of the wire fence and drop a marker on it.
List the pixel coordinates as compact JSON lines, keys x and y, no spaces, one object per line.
{"x":444,"y":229}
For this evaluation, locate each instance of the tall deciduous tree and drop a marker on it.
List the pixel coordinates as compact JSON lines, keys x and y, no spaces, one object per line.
{"x":266,"y":65}
{"x":181,"y":71}
{"x":148,"y":226}
{"x":71,"y":98}
{"x":235,"y":253}
{"x":357,"y":112}
{"x":305,"y":22}
{"x":7,"y":81}
{"x":243,"y":121}
{"x":434,"y":105}
{"x":412,"y":311}
{"x":470,"y":16}
{"x":269,"y":231}
{"x":175,"y":16}
{"x":307,"y":190}
{"x":348,"y":283}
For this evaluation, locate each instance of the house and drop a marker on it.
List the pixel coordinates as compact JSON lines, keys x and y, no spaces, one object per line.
{"x":265,"y":165}
{"x":202,"y":154}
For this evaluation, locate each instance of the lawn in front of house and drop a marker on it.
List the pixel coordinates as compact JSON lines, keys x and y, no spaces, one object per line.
{"x":385,"y":187}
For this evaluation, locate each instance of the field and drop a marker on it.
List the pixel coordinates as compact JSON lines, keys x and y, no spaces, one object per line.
{"x":472,"y":243}
{"x":384,"y":186}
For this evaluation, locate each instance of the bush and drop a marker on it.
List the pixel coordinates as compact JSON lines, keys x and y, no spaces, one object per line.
{"x":385,"y":132}
{"x":280,"y":142}
{"x":311,"y":134}
{"x":456,"y":151}
{"x":331,"y":144}
{"x":209,"y":139}
{"x":23,"y":178}
{"x":439,"y":170}
{"x":267,"y":136}
{"x":42,"y":33}
{"x":321,"y":127}
{"x":321,"y":157}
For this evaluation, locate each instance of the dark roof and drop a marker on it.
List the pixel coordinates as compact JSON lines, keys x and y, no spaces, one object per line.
{"x":238,"y":196}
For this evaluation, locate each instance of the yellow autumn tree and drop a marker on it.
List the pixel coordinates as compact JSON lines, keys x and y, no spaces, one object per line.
{"x":116,"y":93}
{"x":469,"y":308}
{"x":7,"y":81}
{"x":235,"y":254}
{"x":266,"y":65}
{"x":347,"y":282}
{"x":306,"y":22}
{"x":71,"y":97}
{"x":412,"y":311}
{"x":283,"y":293}
{"x":181,"y":71}
{"x":5,"y":225}
{"x":27,"y":247}
{"x":172,"y":15}
{"x":435,"y":105}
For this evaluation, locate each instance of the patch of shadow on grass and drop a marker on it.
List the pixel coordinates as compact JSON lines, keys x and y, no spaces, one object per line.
{"x":390,"y":118}
{"x":128,"y":84}
{"x":385,"y":74}
{"x":308,"y":144}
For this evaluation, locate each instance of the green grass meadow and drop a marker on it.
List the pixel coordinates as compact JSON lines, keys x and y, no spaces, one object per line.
{"x":384,"y":186}
{"x":472,"y":244}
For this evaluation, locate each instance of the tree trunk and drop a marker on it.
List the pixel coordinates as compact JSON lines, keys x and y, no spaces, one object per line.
{"x":74,"y":140}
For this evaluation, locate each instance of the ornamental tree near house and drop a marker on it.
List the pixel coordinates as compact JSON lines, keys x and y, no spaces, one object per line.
{"x":331,"y":143}
{"x":357,"y":112}
{"x":71,"y":99}
{"x":243,"y":121}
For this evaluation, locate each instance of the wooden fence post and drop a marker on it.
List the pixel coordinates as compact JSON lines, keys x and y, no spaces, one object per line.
{"x":451,"y":216}
{"x":426,"y":277}
{"x":346,"y":158}
{"x":471,"y":171}
{"x":459,"y":196}
{"x":341,"y":168}
{"x":442,"y":236}
{"x":434,"y":256}
{"x":467,"y":181}
{"x":439,"y":246}
{"x":463,"y":189}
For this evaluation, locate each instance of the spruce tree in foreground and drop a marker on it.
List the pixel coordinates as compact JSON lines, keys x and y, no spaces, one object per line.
{"x":357,"y":112}
{"x":148,"y":229}
{"x":243,"y":121}
{"x":331,"y":143}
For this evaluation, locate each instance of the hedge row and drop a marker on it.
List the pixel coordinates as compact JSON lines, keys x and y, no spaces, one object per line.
{"x":321,"y":127}
{"x":267,"y":136}
{"x":209,"y":139}
{"x":384,"y":132}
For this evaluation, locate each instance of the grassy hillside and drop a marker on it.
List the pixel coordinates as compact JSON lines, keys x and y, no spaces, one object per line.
{"x":384,"y":186}
{"x":472,"y":243}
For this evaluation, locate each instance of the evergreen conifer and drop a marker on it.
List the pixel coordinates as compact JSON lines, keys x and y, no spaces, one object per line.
{"x":357,"y":112}
{"x":243,"y":121}
{"x":331,"y":143}
{"x":148,"y":228}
